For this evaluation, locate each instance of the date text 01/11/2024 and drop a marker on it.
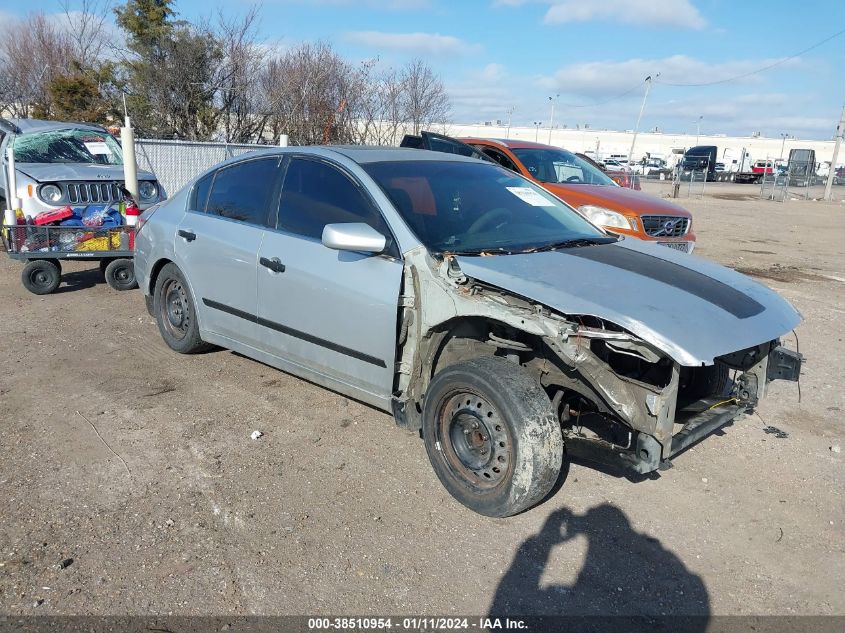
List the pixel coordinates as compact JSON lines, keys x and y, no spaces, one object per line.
{"x":415,"y":624}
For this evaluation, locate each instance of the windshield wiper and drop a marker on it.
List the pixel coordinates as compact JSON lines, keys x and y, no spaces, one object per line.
{"x":573,"y":243}
{"x":481,"y":252}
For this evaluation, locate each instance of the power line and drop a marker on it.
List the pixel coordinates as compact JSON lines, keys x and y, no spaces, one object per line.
{"x":759,"y":70}
{"x":610,"y":100}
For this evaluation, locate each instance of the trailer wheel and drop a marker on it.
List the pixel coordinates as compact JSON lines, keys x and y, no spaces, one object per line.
{"x":120,"y":274}
{"x":41,"y":276}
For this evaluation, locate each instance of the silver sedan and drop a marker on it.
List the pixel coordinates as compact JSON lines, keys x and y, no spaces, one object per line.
{"x":469,"y":303}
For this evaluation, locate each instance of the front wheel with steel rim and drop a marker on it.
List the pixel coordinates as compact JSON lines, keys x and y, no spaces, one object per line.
{"x":492,"y":436}
{"x":173,"y":307}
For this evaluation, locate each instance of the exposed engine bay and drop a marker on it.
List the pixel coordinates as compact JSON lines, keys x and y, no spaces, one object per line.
{"x":618,"y":397}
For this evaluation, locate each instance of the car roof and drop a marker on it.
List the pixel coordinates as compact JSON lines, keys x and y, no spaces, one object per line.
{"x":379,"y":154}
{"x":38,"y":125}
{"x":509,"y":143}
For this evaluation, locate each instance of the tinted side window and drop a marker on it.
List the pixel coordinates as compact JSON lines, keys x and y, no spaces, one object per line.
{"x":244,"y":191}
{"x":316,"y":194}
{"x":500,"y":158}
{"x":199,"y":196}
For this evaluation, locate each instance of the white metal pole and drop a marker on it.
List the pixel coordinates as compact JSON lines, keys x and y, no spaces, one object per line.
{"x":130,"y":167}
{"x":840,"y":132}
{"x":552,"y":119}
{"x":642,"y":108}
{"x":12,"y":201}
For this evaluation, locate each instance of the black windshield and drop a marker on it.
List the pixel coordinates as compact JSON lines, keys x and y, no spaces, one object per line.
{"x":468,"y":207}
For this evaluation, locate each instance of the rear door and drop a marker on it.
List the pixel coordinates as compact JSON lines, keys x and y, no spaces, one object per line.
{"x":331,"y":312}
{"x":219,"y":239}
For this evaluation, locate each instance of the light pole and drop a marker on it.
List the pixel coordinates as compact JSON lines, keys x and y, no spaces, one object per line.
{"x":510,"y":114}
{"x":698,"y":128}
{"x":642,"y":108}
{"x":552,"y":119}
{"x":537,"y":125}
{"x":784,"y":136}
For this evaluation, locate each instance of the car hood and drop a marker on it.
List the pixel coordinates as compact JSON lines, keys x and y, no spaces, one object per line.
{"x":616,"y":199}
{"x":689,"y":308}
{"x":53,"y":172}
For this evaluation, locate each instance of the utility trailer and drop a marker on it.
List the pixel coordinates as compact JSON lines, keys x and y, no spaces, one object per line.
{"x":44,"y":247}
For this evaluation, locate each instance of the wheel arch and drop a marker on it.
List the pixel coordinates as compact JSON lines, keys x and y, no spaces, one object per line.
{"x":463,"y":338}
{"x":154,"y":272}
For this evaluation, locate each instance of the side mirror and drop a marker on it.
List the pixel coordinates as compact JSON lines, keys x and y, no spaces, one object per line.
{"x":353,"y":236}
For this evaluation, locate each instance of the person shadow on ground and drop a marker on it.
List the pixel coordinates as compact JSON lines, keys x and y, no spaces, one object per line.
{"x":629,"y":581}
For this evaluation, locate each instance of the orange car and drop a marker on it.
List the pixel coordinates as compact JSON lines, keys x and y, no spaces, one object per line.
{"x":579,"y":184}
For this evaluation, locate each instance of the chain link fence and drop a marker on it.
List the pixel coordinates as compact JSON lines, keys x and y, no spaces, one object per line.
{"x":175,"y":163}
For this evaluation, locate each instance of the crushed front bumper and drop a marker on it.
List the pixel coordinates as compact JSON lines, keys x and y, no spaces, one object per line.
{"x":697,"y":420}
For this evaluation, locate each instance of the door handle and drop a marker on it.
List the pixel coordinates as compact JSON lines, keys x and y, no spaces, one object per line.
{"x":189,"y":236}
{"x":273,"y":264}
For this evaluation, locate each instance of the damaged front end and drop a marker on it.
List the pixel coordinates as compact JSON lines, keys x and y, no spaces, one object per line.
{"x":619,"y":398}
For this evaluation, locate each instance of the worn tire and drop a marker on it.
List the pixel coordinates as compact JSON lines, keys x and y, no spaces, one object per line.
{"x":174,"y":311}
{"x":41,"y":276}
{"x":120,"y":274}
{"x":499,"y":399}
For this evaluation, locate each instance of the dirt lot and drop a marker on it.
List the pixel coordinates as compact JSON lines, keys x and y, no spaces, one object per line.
{"x":335,"y":510}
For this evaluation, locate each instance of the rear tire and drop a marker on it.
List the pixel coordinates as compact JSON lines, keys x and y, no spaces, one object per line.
{"x":491,"y":436}
{"x":120,"y":274}
{"x":175,"y":314}
{"x":41,"y":276}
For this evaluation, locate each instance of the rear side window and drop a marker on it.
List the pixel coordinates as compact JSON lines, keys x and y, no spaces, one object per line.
{"x":500,"y":158}
{"x":199,"y":196}
{"x":244,"y":192}
{"x":316,"y":194}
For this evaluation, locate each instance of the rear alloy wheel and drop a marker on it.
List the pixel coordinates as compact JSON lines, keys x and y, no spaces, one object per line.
{"x":41,"y":276}
{"x":492,"y":436}
{"x":120,"y":274}
{"x":173,"y":307}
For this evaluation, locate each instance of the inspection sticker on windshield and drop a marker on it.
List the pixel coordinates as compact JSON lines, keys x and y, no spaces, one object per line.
{"x":97,"y":147}
{"x":527,"y":194}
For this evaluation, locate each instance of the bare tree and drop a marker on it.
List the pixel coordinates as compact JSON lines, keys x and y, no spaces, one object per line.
{"x":87,"y":31}
{"x":243,"y":108}
{"x":314,"y":95}
{"x":32,"y":53}
{"x":425,"y":101}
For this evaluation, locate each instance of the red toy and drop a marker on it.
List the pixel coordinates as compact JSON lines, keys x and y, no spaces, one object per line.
{"x":46,"y":217}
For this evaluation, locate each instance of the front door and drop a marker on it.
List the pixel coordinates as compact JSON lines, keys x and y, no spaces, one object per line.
{"x":330,"y":312}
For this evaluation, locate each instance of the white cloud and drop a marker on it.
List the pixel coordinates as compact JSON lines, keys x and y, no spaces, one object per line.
{"x":421,"y":43}
{"x":391,"y":5}
{"x":601,"y":79}
{"x":493,"y":72}
{"x":674,"y":13}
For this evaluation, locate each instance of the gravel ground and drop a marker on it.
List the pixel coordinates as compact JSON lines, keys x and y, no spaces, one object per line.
{"x":335,"y":510}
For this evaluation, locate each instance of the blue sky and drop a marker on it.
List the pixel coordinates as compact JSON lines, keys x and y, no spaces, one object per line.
{"x":494,"y":55}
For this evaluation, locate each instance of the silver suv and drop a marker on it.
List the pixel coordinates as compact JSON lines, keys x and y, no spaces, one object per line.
{"x":470,"y":303}
{"x":61,"y":164}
